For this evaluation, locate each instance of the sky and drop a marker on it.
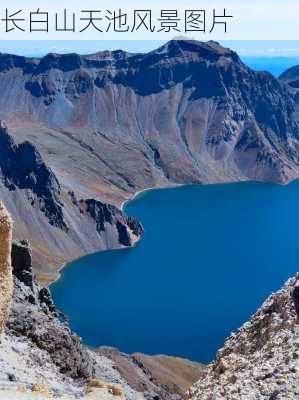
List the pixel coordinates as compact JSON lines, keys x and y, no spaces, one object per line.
{"x":261,"y":28}
{"x":38,"y":48}
{"x":251,"y":19}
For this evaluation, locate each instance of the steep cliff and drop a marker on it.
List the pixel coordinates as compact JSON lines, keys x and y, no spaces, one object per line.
{"x":291,"y":78}
{"x":109,"y":124}
{"x":22,"y":167}
{"x":260,"y":360}
{"x":61,"y":226}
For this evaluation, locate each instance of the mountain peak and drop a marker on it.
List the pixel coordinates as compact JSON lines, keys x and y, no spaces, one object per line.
{"x":210,"y":50}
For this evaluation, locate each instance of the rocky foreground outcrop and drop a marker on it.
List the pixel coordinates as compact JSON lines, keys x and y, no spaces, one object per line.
{"x":6,"y":281}
{"x":101,"y":127}
{"x":41,"y":358}
{"x":261,"y":360}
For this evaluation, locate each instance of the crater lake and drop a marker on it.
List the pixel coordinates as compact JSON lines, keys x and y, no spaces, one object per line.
{"x":209,"y":257}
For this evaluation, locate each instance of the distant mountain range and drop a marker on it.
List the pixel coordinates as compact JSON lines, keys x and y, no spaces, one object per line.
{"x":82,"y":134}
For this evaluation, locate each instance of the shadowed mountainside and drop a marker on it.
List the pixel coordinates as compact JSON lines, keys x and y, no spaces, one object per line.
{"x":110,"y":124}
{"x":291,"y":78}
{"x":61,"y":226}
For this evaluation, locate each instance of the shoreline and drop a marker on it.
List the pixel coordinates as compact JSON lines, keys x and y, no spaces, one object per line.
{"x":122,"y":208}
{"x":58,"y":273}
{"x":135,"y":195}
{"x":139,"y":192}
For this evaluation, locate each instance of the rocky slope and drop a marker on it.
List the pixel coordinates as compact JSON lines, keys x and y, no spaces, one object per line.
{"x":291,"y":79}
{"x":261,"y":360}
{"x":41,"y":358}
{"x":171,"y":372}
{"x":61,"y":226}
{"x":109,"y":124}
{"x":146,"y":373}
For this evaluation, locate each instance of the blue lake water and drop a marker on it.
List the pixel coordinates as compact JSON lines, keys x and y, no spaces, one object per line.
{"x":209,"y":257}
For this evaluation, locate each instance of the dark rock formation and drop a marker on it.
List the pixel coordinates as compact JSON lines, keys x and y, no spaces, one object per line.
{"x":106,"y":213}
{"x":45,"y":299}
{"x":295,"y":295}
{"x":22,"y":167}
{"x":100,"y":212}
{"x":291,"y":78}
{"x":34,"y":316}
{"x":22,"y":263}
{"x":135,"y":226}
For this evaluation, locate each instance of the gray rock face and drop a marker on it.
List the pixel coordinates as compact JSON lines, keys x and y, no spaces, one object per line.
{"x":34,"y":316}
{"x":207,"y":99}
{"x":291,"y":79}
{"x":22,"y":263}
{"x":295,"y":295}
{"x":260,"y":360}
{"x":110,"y":124}
{"x":22,"y":167}
{"x":106,"y":213}
{"x":56,"y":220}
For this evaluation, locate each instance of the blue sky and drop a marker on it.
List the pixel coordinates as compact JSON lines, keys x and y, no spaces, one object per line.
{"x":284,"y":48}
